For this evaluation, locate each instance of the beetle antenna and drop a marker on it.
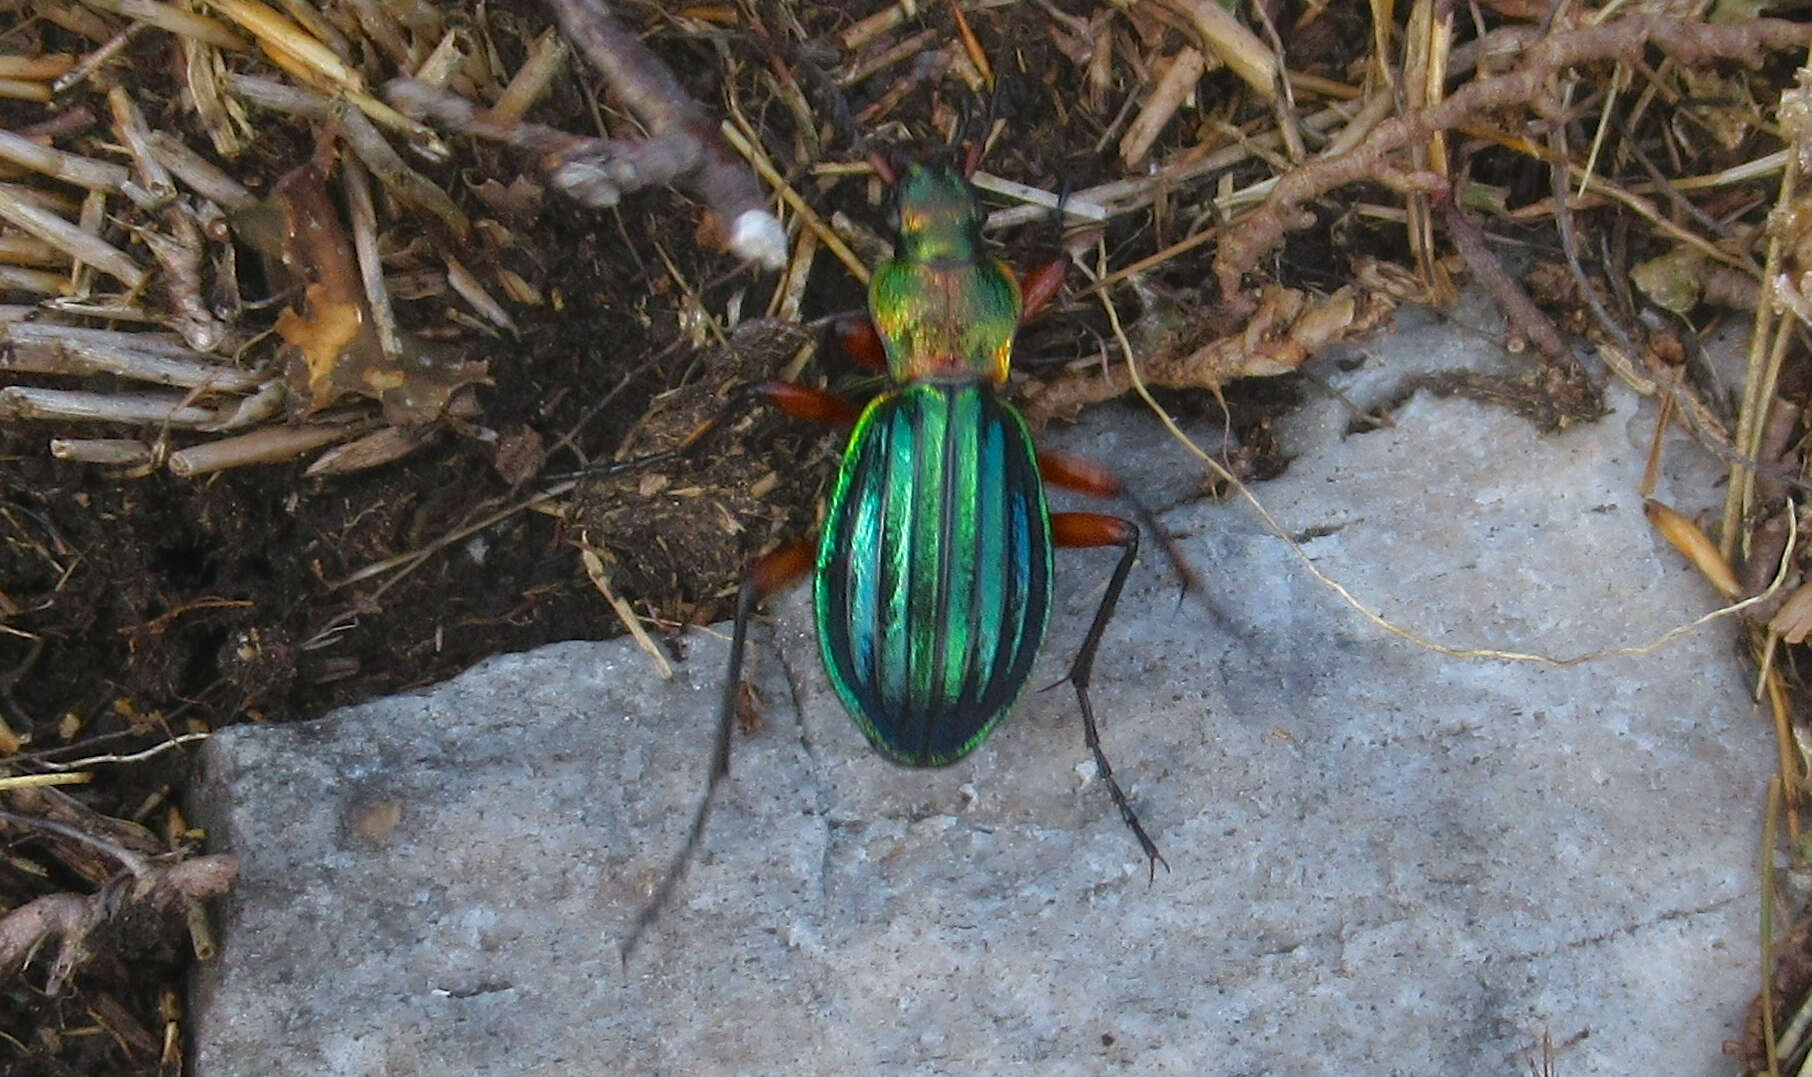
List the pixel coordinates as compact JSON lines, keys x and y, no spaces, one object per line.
{"x":978,"y":146}
{"x":965,"y":120}
{"x":842,"y":119}
{"x":885,"y":165}
{"x":1064,"y":190}
{"x":972,"y":159}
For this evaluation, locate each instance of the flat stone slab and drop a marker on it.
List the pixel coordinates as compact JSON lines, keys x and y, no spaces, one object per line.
{"x":1384,"y":859}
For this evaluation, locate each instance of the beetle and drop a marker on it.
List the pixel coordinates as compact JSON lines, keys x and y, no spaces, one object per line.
{"x":932,"y":573}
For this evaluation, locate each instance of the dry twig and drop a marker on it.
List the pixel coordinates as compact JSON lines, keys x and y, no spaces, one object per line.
{"x":655,"y":96}
{"x":73,"y":918}
{"x":1689,"y":42}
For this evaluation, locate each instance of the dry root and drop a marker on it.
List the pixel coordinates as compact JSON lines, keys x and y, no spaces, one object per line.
{"x":74,"y":918}
{"x":1689,"y":42}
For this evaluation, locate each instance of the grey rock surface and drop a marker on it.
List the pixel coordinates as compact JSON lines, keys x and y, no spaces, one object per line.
{"x":1385,"y":860}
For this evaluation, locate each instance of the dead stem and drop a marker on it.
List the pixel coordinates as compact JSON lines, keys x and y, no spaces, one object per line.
{"x":73,"y":917}
{"x":47,"y":348}
{"x":546,"y":61}
{"x":199,"y":174}
{"x":1526,"y":320}
{"x":120,"y":452}
{"x":174,"y":20}
{"x":267,"y":445}
{"x":107,"y":51}
{"x":362,"y":214}
{"x":24,"y":402}
{"x":81,"y":246}
{"x":373,"y":450}
{"x":1689,"y":42}
{"x":657,"y":99}
{"x":61,"y":165}
{"x":592,"y":171}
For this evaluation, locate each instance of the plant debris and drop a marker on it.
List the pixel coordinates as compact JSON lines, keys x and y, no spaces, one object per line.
{"x":340,"y":350}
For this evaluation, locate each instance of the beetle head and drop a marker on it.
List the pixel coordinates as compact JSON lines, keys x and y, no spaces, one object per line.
{"x":936,"y":215}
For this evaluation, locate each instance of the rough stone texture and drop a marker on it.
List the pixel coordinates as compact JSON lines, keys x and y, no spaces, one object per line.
{"x":1386,"y":860}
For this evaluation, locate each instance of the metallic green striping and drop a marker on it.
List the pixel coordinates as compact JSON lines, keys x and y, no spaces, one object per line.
{"x":890,"y":481}
{"x":933,"y":589}
{"x":990,"y":609}
{"x":865,"y":573}
{"x":1018,"y":530}
{"x":926,"y":554}
{"x":961,"y":491}
{"x":1026,"y":559}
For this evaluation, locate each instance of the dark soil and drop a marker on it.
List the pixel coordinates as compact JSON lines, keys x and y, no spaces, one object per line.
{"x":154,"y":606}
{"x":163,"y":606}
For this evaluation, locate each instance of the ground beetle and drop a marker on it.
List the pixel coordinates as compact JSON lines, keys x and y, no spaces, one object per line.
{"x":932,"y":576}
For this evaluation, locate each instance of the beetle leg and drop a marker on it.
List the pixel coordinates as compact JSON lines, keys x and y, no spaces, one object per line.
{"x":1084,"y":529}
{"x":1039,"y":287}
{"x":1077,"y":473}
{"x":1085,"y":476}
{"x":813,"y":405}
{"x":862,"y":342}
{"x":768,"y":575}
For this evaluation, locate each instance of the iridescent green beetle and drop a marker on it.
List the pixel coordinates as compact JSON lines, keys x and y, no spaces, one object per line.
{"x":932,"y":577}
